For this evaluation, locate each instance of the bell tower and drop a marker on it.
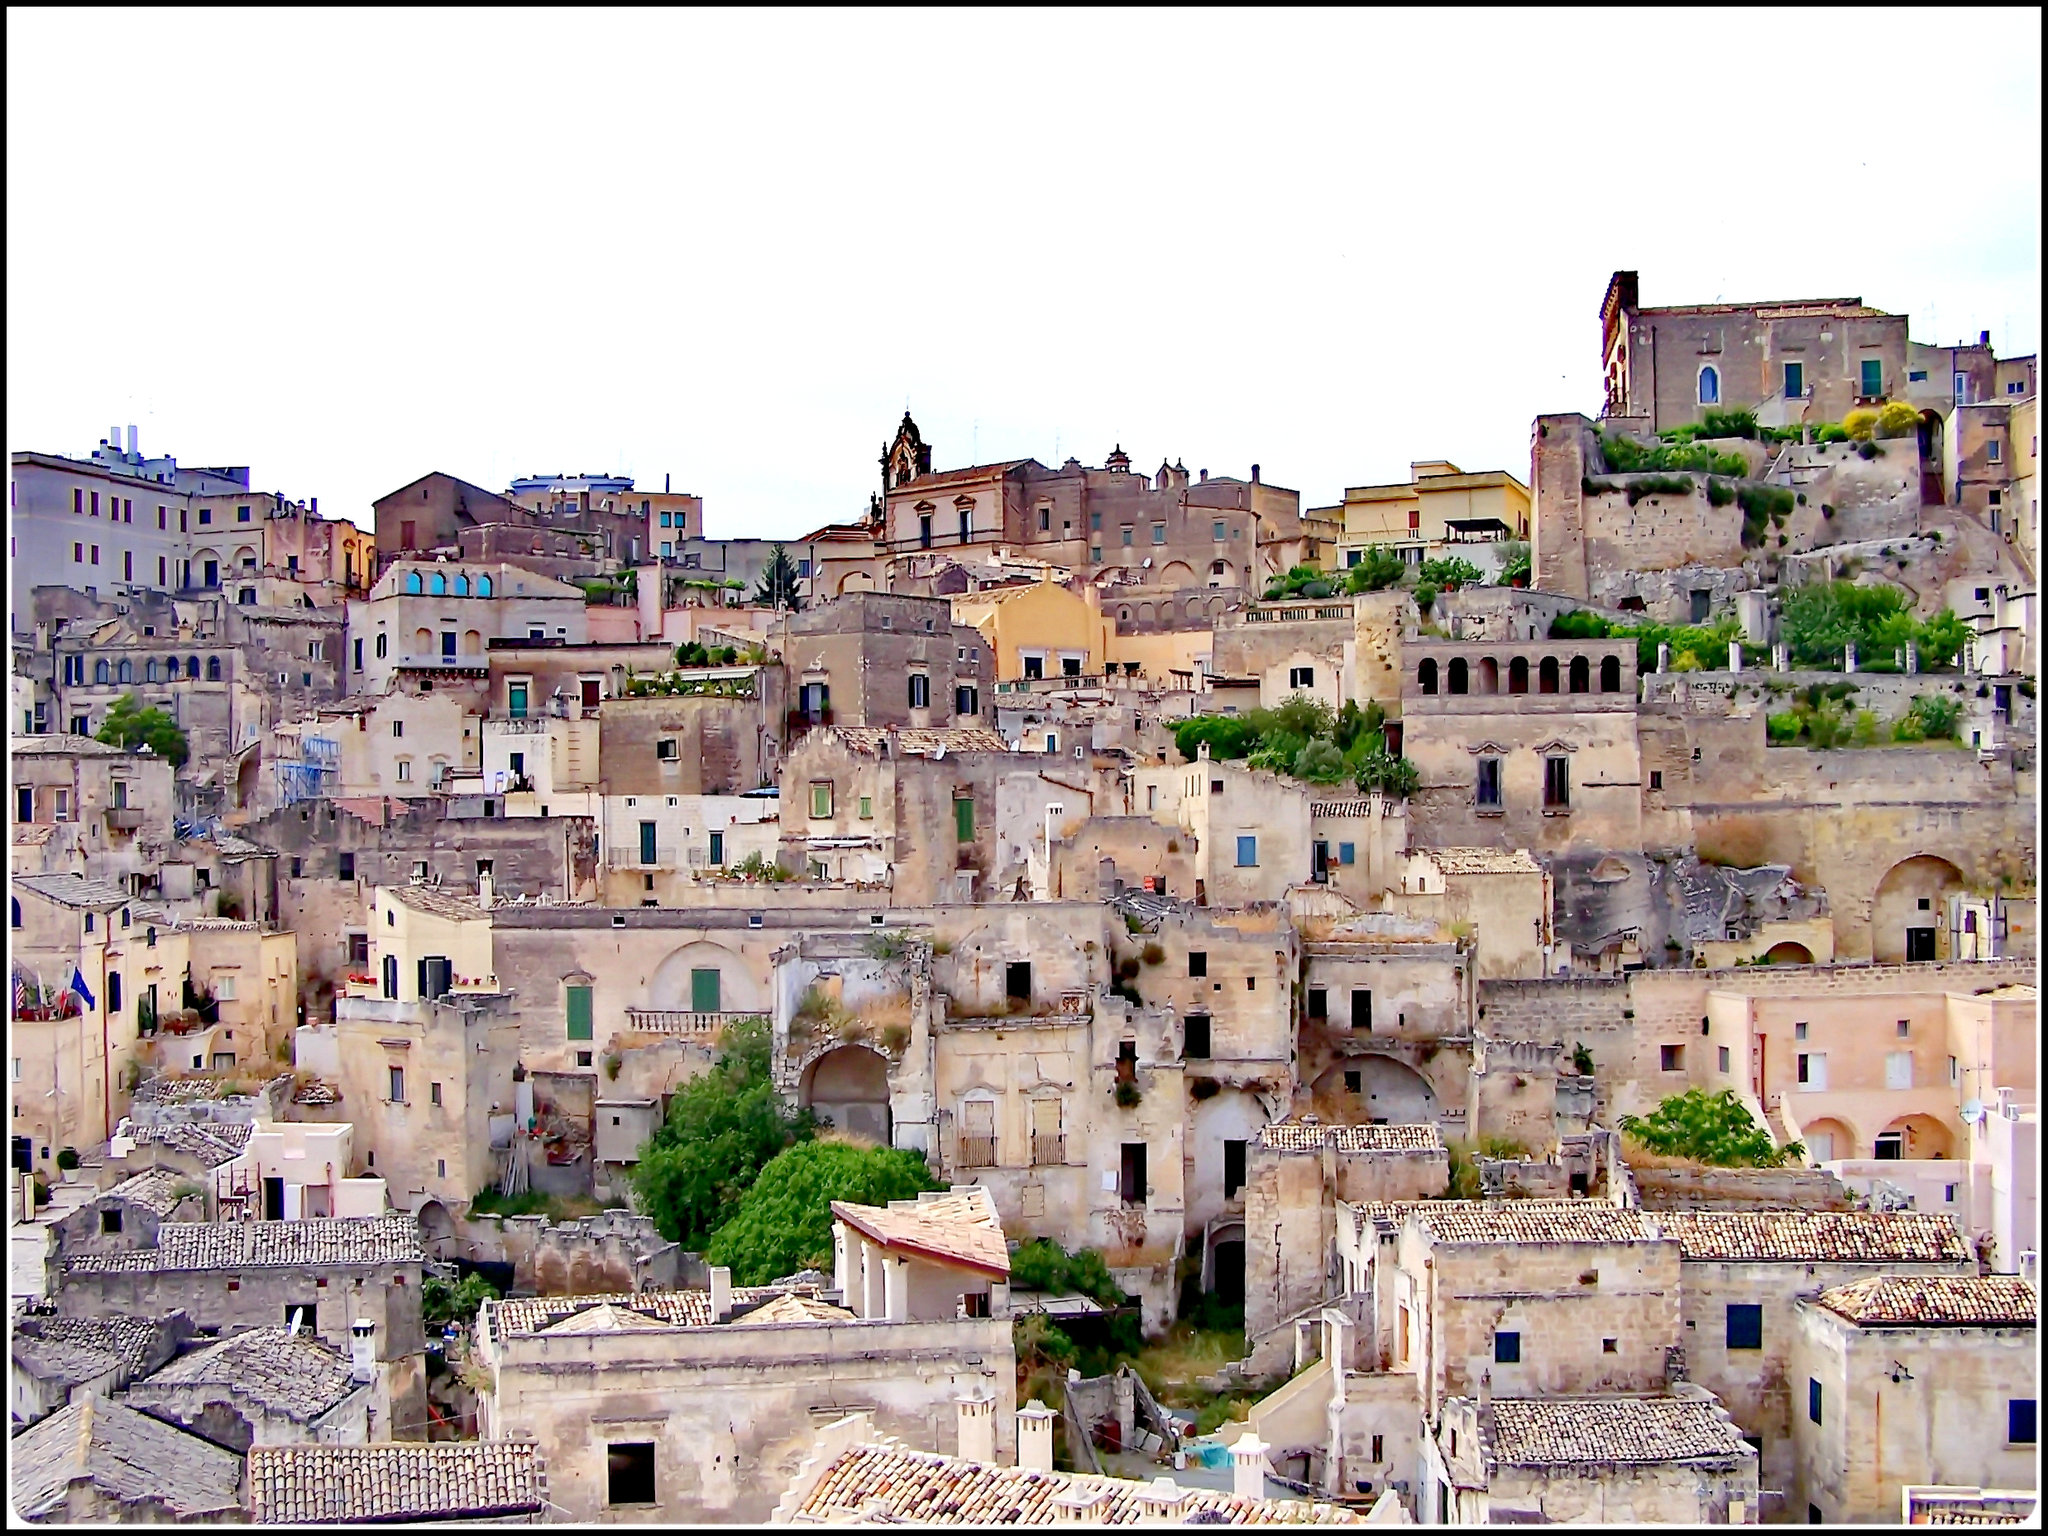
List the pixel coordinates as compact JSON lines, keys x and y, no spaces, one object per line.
{"x":906,"y":458}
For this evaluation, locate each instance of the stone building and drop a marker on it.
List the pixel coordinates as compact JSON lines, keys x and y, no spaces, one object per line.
{"x":499,"y":1482}
{"x":108,"y":809}
{"x":1670,"y":1459}
{"x":264,"y":1386}
{"x":696,"y":1405}
{"x":99,"y":1461}
{"x":56,"y":1360}
{"x":879,"y":660}
{"x":1439,"y":510}
{"x":355,"y":1283}
{"x":431,"y":513}
{"x":725,"y":740}
{"x":1912,"y":1380}
{"x":433,"y":616}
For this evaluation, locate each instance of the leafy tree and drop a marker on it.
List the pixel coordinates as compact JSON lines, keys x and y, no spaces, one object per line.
{"x":1823,"y":616}
{"x":1425,"y":596}
{"x":1897,"y":419}
{"x":1941,"y":639}
{"x":1449,"y":574}
{"x":1860,"y":424}
{"x":1710,"y":1128}
{"x":778,"y":582}
{"x":451,"y":1301}
{"x":1353,"y":722}
{"x":1515,"y":566}
{"x":1379,"y":569}
{"x":129,"y":725}
{"x":1227,"y":736}
{"x":1379,"y":769}
{"x":1301,"y":715}
{"x":1320,"y":762}
{"x":1930,"y":717}
{"x":1579,"y":624}
{"x":1043,"y":1265}
{"x":722,"y":1129}
{"x":784,"y":1222}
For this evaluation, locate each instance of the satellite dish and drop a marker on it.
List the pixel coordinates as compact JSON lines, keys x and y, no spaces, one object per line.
{"x":1973,"y":1111}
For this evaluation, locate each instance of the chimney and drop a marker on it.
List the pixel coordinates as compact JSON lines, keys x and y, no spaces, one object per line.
{"x":362,"y":1359}
{"x":1158,"y":1499}
{"x":1205,"y":477}
{"x":315,"y":505}
{"x":1248,"y":1467}
{"x":977,"y":1426}
{"x":721,"y":1292}
{"x":133,"y":454}
{"x":1983,"y":340}
{"x":1034,"y":1437}
{"x":114,"y":438}
{"x":485,"y":889}
{"x":1255,"y":474}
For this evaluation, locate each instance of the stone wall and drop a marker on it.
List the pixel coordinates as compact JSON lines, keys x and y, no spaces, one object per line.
{"x":1742,"y":1189}
{"x":615,"y":1251}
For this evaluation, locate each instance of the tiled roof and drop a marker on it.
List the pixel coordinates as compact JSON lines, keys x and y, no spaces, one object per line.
{"x":1295,"y":1136}
{"x":958,"y":1227}
{"x":1865,"y":1237}
{"x":934,"y":480}
{"x":1937,"y":1301}
{"x":424,"y":898}
{"x":677,"y":1309}
{"x":1549,"y":1431}
{"x":605,"y":1317}
{"x":33,"y":834}
{"x":327,"y":1240}
{"x":1971,"y":1506}
{"x":129,"y":1456}
{"x":156,"y":1188}
{"x":75,"y":891}
{"x":342,"y":1484}
{"x":915,"y":743}
{"x":797,"y":1309}
{"x":298,"y":1377}
{"x":61,"y":744}
{"x":213,"y":1141}
{"x":922,"y":1488}
{"x":1518,"y":1221}
{"x":76,"y":1349}
{"x":1482,"y":861}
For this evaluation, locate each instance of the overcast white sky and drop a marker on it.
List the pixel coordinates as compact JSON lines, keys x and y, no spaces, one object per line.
{"x":349,"y":248}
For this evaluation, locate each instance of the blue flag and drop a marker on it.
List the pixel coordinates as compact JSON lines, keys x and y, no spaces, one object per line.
{"x":78,"y":986}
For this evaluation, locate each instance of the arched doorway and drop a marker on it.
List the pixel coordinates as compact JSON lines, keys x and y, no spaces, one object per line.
{"x":1788,"y":952}
{"x":1827,"y":1139}
{"x":850,"y":1086}
{"x":1223,"y":1263}
{"x":437,"y":1230}
{"x":1907,"y":916}
{"x":1915,"y":1136}
{"x":1376,"y":1090}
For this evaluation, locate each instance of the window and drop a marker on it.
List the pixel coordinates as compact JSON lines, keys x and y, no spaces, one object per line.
{"x":1656,"y":778}
{"x":1721,"y":1060}
{"x":434,"y":1094}
{"x":1994,"y":451}
{"x":1216,"y":533}
{"x":867,"y":807}
{"x":1710,"y":385}
{"x":1917,"y":376}
{"x":649,"y":853}
{"x":716,"y":856}
{"x":821,"y":800}
{"x":1233,"y":1168}
{"x":1095,"y":554}
{"x":1488,"y":791}
{"x":1247,"y":852}
{"x":920,"y":691}
{"x":1196,"y":1047}
{"x":1159,"y":533}
{"x":398,"y":728}
{"x":963,"y":818}
{"x":1795,"y":381}
{"x":1891,"y":1147}
{"x":405,"y":770}
{"x":966,"y":700}
{"x":1813,"y":1399}
{"x":666,"y":750}
{"x":1301,"y":677}
{"x":1507,"y":1349}
{"x":1131,"y":1186}
{"x":1361,"y":1010}
{"x":1034,"y":666}
{"x":397,"y":1085}
{"x":1962,"y":385}
{"x":1872,"y":382}
{"x":1347,"y":853}
{"x":110,"y":1221}
{"x":1557,"y":783}
{"x":629,"y":1473}
{"x":1045,"y":519}
{"x":1671,"y":1058}
{"x":2021,"y":1421}
{"x":1319,"y":1002}
{"x":1898,"y":1070}
{"x":1198,"y":962}
{"x":1799,"y":1031}
{"x":1745,"y":1325}
{"x":1095,"y":521}
{"x":579,"y":1013}
{"x":1127,"y":535}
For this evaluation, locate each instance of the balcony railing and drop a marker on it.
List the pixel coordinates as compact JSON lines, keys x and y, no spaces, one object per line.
{"x":1048,"y":1151}
{"x":124,"y":818}
{"x":445,"y":663}
{"x":671,"y":1021}
{"x":977,"y":1152}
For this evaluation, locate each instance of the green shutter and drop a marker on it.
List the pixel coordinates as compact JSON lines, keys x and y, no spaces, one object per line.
{"x":579,"y":1013}
{"x":704,"y":991}
{"x":963,"y":820}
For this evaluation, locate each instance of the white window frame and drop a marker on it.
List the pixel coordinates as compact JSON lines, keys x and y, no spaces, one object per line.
{"x":1700,"y":385}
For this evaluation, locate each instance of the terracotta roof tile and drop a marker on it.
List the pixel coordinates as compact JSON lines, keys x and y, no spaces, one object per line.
{"x":1295,"y":1136}
{"x":201,"y":1245}
{"x":343,"y":1484}
{"x":519,"y":1315}
{"x":1552,"y":1431}
{"x":958,"y":1227}
{"x":1937,"y":1301}
{"x":868,"y":740}
{"x":130,"y":1457}
{"x":1815,"y":1236}
{"x":1512,"y":1221}
{"x":928,"y":1489}
{"x":298,"y":1377}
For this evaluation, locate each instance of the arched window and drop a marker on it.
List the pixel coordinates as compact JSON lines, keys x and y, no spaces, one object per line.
{"x":440,"y":586}
{"x":412,"y":581}
{"x":423,"y":642}
{"x":1546,"y":675}
{"x":100,"y":671}
{"x":1425,"y":676}
{"x":1489,"y":675}
{"x":213,"y":669}
{"x":380,"y":647}
{"x":1710,"y":385}
{"x":1610,"y":675}
{"x":1582,"y":675}
{"x":462,"y":586}
{"x":149,"y":670}
{"x":472,"y":642}
{"x":125,"y":673}
{"x":191,"y":666}
{"x":483,"y":586}
{"x":1459,"y":676}
{"x":1518,"y":675}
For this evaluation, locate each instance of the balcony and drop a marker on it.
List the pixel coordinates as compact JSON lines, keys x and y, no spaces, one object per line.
{"x":124,"y":818}
{"x":1048,"y":1151}
{"x":977,"y":1152}
{"x":671,"y":1021}
{"x":476,"y":664}
{"x":665,"y":856}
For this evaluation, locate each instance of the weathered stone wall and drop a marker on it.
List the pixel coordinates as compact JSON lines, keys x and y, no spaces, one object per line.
{"x":615,"y":1251}
{"x":1742,"y":1189}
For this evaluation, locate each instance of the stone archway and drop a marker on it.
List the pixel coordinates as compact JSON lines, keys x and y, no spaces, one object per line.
{"x":1385,"y":1090}
{"x":1223,"y":1262}
{"x":850,"y":1085}
{"x":1829,"y":1139}
{"x":1921,"y":1136}
{"x":1788,"y":952}
{"x":1909,"y":912}
{"x":437,"y":1229}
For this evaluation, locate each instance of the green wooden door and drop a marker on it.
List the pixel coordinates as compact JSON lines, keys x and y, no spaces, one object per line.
{"x":704,"y":991}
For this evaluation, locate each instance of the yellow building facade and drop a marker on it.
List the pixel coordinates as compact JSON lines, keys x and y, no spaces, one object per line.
{"x":1439,"y":505}
{"x":1042,"y":630}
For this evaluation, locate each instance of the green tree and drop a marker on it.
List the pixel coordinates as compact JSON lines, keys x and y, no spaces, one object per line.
{"x":1710,"y":1128}
{"x":1449,"y":574}
{"x":1353,"y":722}
{"x":1579,"y":624}
{"x":1941,"y":639}
{"x":452,"y":1301}
{"x":1897,"y":419}
{"x":1320,"y":762}
{"x":1379,"y":569}
{"x":1043,"y":1265}
{"x":129,"y":725}
{"x":1227,"y":736}
{"x":784,"y":1222}
{"x":1379,"y":769}
{"x":778,"y":582}
{"x":722,"y":1129}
